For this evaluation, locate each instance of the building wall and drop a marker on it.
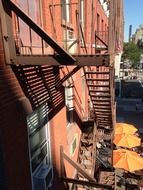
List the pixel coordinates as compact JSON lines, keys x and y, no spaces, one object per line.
{"x":13,"y":128}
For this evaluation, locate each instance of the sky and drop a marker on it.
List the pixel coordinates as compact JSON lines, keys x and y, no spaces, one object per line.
{"x":133,"y":15}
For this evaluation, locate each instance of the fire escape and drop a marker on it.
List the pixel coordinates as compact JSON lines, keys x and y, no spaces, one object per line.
{"x":99,"y":74}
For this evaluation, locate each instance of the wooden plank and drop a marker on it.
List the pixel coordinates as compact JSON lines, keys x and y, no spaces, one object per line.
{"x":86,"y":183}
{"x":79,"y":168}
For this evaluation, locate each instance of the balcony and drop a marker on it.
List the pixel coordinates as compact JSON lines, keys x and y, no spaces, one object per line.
{"x":34,"y":46}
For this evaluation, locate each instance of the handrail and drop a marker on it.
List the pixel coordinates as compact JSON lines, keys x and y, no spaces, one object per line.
{"x":81,"y":31}
{"x":96,"y":36}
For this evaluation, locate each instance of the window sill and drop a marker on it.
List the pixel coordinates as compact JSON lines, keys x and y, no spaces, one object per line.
{"x":67,"y":25}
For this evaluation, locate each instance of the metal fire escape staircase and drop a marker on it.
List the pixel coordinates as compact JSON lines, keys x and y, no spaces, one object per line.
{"x":100,"y":91}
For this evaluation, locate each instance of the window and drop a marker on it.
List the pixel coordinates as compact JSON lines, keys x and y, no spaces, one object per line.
{"x":33,"y":9}
{"x":98,"y":23}
{"x":39,"y":138}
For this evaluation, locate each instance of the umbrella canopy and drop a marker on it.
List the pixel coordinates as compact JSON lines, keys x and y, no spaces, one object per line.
{"x":124,"y":128}
{"x":126,"y":140}
{"x":127,"y":160}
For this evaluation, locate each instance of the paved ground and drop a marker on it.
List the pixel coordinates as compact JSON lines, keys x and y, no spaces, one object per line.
{"x":126,"y":112}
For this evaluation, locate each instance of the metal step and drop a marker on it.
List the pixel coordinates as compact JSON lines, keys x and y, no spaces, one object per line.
{"x":97,"y":72}
{"x":99,"y":85}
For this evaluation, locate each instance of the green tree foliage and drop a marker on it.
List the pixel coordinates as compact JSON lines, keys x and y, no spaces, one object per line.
{"x":132,"y":53}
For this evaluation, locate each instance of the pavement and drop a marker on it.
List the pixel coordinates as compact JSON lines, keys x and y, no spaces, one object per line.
{"x":126,"y":112}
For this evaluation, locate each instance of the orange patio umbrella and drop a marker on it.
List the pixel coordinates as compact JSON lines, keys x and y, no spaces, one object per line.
{"x":126,"y":140}
{"x":125,"y":128}
{"x":127,"y":160}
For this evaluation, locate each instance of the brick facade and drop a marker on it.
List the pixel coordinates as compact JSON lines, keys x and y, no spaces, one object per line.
{"x":13,"y":129}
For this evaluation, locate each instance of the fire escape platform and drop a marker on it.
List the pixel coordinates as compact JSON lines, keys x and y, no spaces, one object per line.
{"x":81,"y":60}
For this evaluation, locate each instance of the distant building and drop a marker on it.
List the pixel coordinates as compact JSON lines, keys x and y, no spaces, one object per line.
{"x":130,"y":32}
{"x":137,"y":38}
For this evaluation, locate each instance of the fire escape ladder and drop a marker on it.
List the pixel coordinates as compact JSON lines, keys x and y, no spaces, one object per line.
{"x":98,"y":82}
{"x":61,"y":54}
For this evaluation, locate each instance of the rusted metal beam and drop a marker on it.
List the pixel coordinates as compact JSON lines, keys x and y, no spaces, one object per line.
{"x":86,"y":183}
{"x":81,"y":60}
{"x":63,"y":55}
{"x":7,"y":33}
{"x":70,"y":74}
{"x":93,"y":60}
{"x":96,"y":36}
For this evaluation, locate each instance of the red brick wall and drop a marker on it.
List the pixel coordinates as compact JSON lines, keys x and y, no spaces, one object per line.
{"x":13,"y":129}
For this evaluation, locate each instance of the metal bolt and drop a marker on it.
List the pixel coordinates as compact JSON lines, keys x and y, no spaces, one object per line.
{"x":6,"y":38}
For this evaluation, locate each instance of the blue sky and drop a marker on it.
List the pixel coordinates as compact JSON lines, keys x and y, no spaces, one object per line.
{"x":133,"y":15}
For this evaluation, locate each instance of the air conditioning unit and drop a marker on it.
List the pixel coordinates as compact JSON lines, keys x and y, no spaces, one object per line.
{"x":43,"y":178}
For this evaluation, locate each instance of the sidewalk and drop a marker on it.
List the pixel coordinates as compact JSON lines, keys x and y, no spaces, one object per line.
{"x":126,"y":112}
